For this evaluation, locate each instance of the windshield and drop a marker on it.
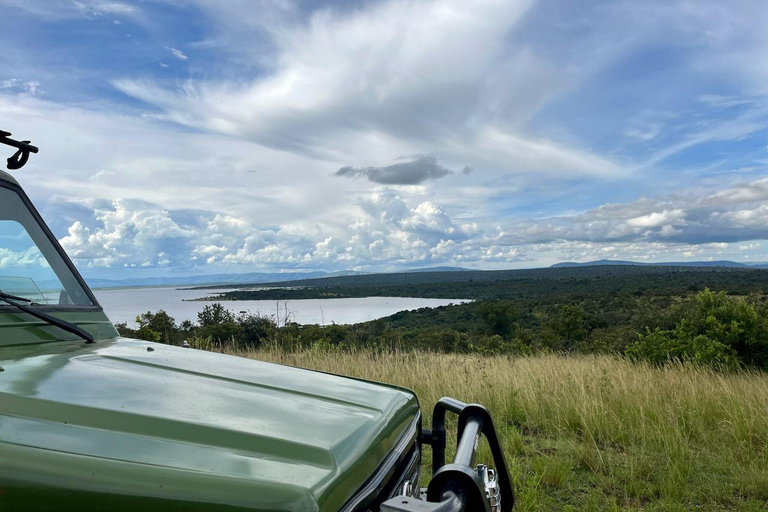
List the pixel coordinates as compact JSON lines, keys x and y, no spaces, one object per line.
{"x":30,"y":265}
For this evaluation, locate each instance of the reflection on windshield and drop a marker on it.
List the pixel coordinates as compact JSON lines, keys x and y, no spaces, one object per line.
{"x":30,"y":266}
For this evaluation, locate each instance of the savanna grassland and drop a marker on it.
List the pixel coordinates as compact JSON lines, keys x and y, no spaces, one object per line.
{"x":613,"y":388}
{"x":593,"y":433}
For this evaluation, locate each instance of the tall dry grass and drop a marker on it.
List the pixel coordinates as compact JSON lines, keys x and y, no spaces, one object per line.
{"x":596,"y":432}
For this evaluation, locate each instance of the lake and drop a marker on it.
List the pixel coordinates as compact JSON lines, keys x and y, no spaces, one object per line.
{"x":123,"y":304}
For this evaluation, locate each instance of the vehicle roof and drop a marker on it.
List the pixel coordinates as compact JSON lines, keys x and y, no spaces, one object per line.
{"x":4,"y":176}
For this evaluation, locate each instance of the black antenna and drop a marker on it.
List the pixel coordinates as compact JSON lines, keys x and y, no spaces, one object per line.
{"x":24,"y":148}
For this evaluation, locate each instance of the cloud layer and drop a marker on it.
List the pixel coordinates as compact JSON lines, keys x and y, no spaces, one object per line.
{"x":387,"y":232}
{"x":538,"y":131}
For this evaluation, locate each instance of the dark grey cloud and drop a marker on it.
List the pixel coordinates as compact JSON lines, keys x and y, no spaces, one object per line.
{"x":419,"y":170}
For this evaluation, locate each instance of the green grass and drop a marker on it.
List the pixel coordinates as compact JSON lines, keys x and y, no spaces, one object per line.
{"x":596,"y":433}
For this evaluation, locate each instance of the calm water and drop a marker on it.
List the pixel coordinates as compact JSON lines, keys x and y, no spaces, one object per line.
{"x":122,"y":305}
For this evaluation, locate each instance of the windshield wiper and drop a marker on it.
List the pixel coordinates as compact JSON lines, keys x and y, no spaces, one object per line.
{"x":61,"y":324}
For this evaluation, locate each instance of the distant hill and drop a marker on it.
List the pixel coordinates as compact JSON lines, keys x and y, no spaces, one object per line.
{"x":523,"y":286}
{"x":422,"y":275}
{"x":438,"y":269}
{"x":722,"y":263}
{"x":212,"y":279}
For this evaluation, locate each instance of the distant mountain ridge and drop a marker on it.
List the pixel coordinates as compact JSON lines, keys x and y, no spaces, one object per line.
{"x":235,"y":279}
{"x":438,"y":269}
{"x":720,"y":263}
{"x":257,"y":278}
{"x":212,"y":279}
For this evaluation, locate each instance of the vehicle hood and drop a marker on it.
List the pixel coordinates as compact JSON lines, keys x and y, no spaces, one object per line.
{"x":126,"y":417}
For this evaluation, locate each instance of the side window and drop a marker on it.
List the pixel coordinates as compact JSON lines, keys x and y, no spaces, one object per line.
{"x":24,"y":271}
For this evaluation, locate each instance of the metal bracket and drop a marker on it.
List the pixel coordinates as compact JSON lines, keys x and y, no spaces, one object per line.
{"x":458,"y":487}
{"x":24,"y":148}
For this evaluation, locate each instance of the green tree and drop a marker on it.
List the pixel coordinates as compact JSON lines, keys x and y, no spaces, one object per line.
{"x":571,"y":324}
{"x":255,"y":329}
{"x":500,"y":317}
{"x":159,"y":326}
{"x":214,"y":314}
{"x":219,"y":325}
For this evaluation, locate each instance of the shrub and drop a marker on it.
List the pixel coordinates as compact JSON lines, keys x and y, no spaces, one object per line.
{"x":255,"y":329}
{"x":658,"y":347}
{"x":712,"y":328}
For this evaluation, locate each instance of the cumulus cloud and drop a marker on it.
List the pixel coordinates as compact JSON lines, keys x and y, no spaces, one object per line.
{"x":657,"y":219}
{"x":732,"y":215}
{"x":419,"y":170}
{"x":128,"y":233}
{"x":29,"y":257}
{"x":385,"y":230}
{"x":388,"y":231}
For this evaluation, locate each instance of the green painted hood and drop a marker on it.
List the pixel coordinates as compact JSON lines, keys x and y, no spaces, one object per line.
{"x":113,"y":425}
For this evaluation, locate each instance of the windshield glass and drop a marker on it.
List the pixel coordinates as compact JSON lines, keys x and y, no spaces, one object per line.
{"x":30,"y":265}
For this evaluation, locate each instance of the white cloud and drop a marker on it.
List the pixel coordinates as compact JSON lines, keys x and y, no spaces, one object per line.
{"x":13,"y":259}
{"x":128,"y":233}
{"x":206,"y":211}
{"x":694,"y":218}
{"x":387,"y":232}
{"x":100,"y":7}
{"x":435,"y":88}
{"x":176,"y":53}
{"x":8,"y":84}
{"x":657,"y":219}
{"x":251,"y":184}
{"x":52,"y":10}
{"x":30,"y":87}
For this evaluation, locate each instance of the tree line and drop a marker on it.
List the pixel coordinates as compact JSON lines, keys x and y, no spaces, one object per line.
{"x":705,"y":327}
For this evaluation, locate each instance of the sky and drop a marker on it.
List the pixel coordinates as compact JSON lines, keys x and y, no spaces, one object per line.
{"x":201,"y":136}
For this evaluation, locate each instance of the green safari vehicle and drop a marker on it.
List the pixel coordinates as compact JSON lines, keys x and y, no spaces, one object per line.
{"x":91,"y":421}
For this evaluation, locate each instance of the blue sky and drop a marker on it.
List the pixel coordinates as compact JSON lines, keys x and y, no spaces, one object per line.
{"x":234,"y":136}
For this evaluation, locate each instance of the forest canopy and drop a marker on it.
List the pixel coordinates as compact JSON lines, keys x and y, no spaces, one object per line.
{"x":717,"y":317}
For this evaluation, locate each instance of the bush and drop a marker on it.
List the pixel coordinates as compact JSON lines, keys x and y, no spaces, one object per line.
{"x":713,"y":329}
{"x":255,"y":329}
{"x":659,"y":347}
